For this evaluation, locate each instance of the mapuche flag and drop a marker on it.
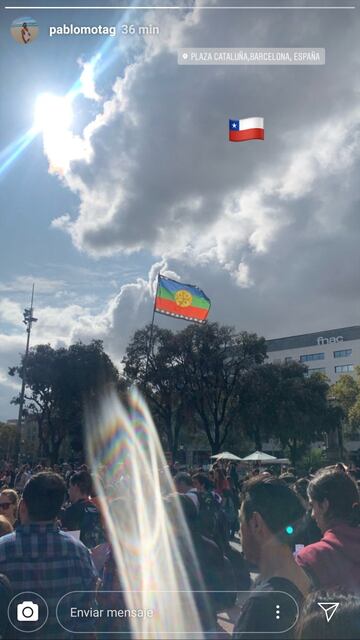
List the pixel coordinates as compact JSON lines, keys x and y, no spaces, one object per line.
{"x":180,"y":300}
{"x":246,"y":129}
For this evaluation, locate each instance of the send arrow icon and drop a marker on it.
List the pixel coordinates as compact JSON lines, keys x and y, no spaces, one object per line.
{"x":329,"y":608}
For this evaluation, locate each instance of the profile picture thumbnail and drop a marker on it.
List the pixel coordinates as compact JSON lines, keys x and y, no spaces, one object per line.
{"x":24,"y":30}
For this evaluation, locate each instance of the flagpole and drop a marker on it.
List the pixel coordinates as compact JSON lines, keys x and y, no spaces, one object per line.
{"x":151,"y":330}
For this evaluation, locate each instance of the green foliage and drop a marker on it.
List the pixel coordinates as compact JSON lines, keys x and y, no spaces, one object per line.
{"x":304,"y":412}
{"x":211,"y":377}
{"x":354,"y":416}
{"x":160,"y":382}
{"x":313,"y":459}
{"x":279,"y":400}
{"x":58,"y":383}
{"x":346,"y":393}
{"x":193,"y":377}
{"x":212,"y":361}
{"x":258,"y":401}
{"x":7,"y":440}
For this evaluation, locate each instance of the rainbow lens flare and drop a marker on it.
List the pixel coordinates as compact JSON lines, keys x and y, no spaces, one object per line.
{"x":132,"y":479}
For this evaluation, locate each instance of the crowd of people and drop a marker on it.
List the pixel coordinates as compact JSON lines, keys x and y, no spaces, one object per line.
{"x":289,"y":542}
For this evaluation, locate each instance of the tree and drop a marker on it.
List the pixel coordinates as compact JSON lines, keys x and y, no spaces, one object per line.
{"x":211,"y":361}
{"x":7,"y":440}
{"x":346,"y":393}
{"x":193,"y":377}
{"x":59,"y":381}
{"x":304,"y":413}
{"x":160,"y":383}
{"x":259,"y":395}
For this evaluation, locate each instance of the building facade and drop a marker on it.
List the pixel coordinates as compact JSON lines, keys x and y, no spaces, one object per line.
{"x":333,"y":352}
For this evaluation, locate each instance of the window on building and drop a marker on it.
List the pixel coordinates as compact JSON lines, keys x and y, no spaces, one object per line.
{"x":344,"y":368}
{"x":315,"y":370}
{"x":343,"y":353}
{"x":312,"y":356}
{"x":288,"y":359}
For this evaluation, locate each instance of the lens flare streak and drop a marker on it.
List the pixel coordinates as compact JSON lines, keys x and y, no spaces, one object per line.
{"x":125,"y":454}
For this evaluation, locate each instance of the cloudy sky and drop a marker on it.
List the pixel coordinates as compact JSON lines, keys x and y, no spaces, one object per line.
{"x":132,"y":173}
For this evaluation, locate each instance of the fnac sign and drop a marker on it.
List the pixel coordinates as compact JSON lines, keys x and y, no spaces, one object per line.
{"x":332,"y":340}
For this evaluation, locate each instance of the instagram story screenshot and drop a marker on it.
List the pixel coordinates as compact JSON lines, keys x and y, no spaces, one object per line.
{"x":180,"y":320}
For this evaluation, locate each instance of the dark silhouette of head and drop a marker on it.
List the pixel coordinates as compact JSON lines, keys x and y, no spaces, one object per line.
{"x":344,"y":624}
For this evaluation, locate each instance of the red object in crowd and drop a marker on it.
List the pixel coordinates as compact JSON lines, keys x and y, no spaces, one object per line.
{"x":334,"y":561}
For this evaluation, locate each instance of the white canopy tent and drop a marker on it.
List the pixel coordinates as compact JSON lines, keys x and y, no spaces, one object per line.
{"x":226,"y":455}
{"x":260,"y":456}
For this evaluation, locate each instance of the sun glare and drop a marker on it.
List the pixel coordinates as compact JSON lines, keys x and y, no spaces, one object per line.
{"x":53,"y":113}
{"x":53,"y":119}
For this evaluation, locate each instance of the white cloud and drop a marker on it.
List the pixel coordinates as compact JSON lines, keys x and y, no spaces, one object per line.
{"x":268,"y":229}
{"x":24,"y":284}
{"x":125,"y":312}
{"x":10,"y":349}
{"x":87,"y":78}
{"x":10,"y":312}
{"x":161,"y":175}
{"x":242,"y":276}
{"x":8,"y":382}
{"x":129,"y":310}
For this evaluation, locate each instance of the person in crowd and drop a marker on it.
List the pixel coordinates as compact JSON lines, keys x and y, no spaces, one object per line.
{"x":310,"y":532}
{"x":289,"y":478}
{"x":5,"y":526}
{"x":270,"y":515}
{"x":230,"y":512}
{"x":97,"y":486}
{"x":110,"y":593}
{"x":68,"y":471}
{"x":82,"y":515}
{"x":234,"y":521}
{"x":208,"y":505}
{"x":334,"y":561}
{"x":344,"y":624}
{"x":239,"y":565}
{"x":38,"y":557}
{"x":9,"y":505}
{"x":7,"y":476}
{"x":22,"y":477}
{"x":220,"y":481}
{"x":232,"y":472}
{"x":39,"y":467}
{"x":184,"y":485}
{"x":340,"y":466}
{"x":215,"y":569}
{"x":5,"y":597}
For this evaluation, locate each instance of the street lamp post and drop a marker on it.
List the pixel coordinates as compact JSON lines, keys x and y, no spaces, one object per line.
{"x":28,"y":321}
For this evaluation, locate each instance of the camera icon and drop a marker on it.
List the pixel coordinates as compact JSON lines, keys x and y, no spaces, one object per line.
{"x":27,"y":612}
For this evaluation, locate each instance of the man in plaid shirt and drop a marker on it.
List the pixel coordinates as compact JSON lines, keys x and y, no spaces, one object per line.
{"x":38,"y":557}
